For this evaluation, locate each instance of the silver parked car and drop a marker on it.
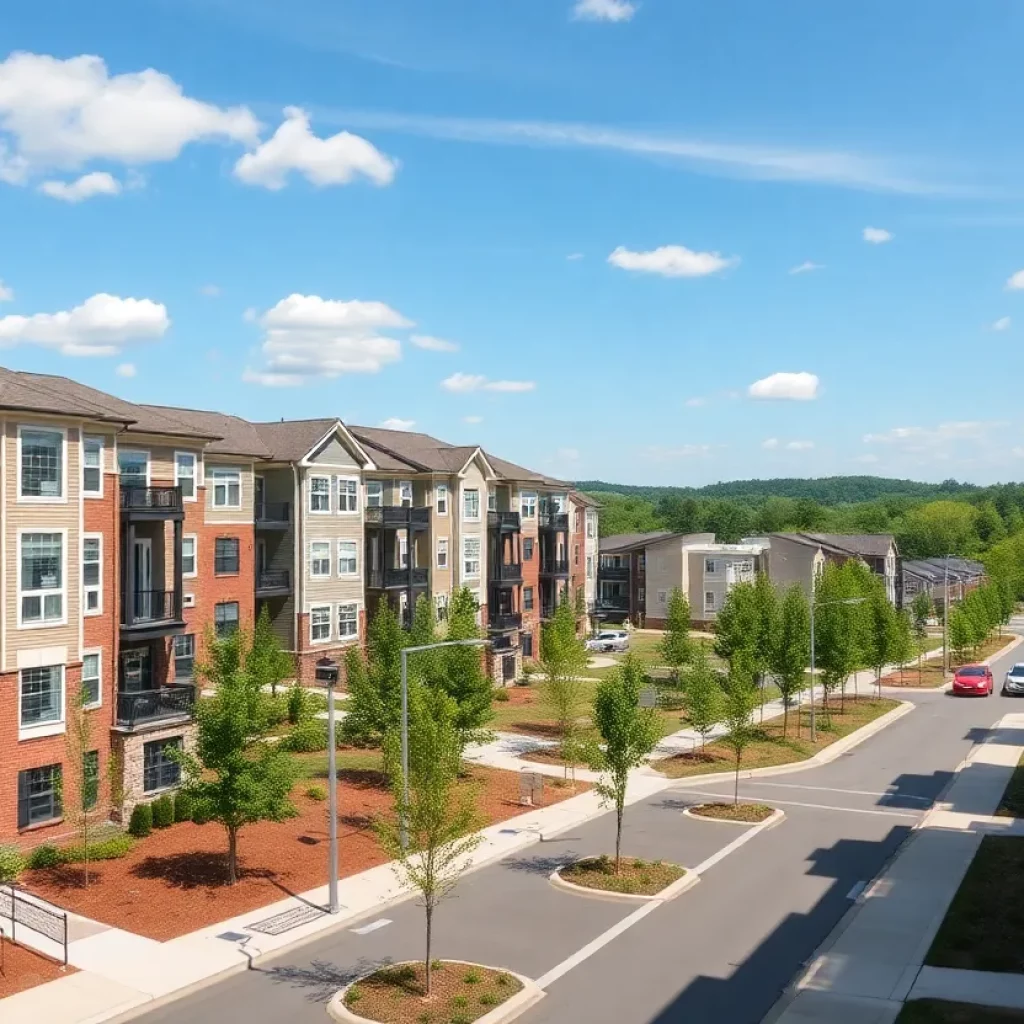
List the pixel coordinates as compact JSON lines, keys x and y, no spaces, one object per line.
{"x":1014,"y":681}
{"x":609,"y":640}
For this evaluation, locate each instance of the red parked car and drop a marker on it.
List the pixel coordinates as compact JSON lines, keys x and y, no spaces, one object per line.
{"x":976,"y":679}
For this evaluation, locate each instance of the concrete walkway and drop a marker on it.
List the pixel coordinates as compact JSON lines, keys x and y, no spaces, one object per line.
{"x":873,"y":961}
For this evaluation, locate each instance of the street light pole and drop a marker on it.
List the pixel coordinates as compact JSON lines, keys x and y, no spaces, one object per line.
{"x":332,"y":810}
{"x":945,"y":619}
{"x":814,"y":724}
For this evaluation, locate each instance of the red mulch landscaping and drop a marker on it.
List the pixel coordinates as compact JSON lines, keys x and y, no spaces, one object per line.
{"x":174,"y":881}
{"x":22,"y":968}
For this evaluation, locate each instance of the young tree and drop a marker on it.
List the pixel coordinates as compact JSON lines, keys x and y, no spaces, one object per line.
{"x":736,"y":626}
{"x":676,"y":646}
{"x":461,"y":674}
{"x":791,"y":651}
{"x":903,"y":643}
{"x":921,"y":611}
{"x":629,"y":732}
{"x":80,"y":798}
{"x":703,"y":696}
{"x":738,"y":706}
{"x":961,"y":633}
{"x":269,"y":663}
{"x":837,"y":636}
{"x":235,"y":777}
{"x":439,"y":820}
{"x":883,"y":630}
{"x":766,"y":606}
{"x":374,"y":703}
{"x":563,"y":657}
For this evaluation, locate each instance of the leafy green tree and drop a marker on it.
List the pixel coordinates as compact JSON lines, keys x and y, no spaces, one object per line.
{"x":462,"y":676}
{"x":235,"y":777}
{"x":680,"y":515}
{"x":629,"y":734}
{"x":375,"y":683}
{"x":766,"y":605}
{"x":775,"y":515}
{"x":921,"y":611}
{"x":961,"y":632}
{"x":563,"y":657}
{"x":676,"y":645}
{"x":440,"y":820}
{"x":883,"y":635}
{"x":838,"y":635}
{"x":269,"y":663}
{"x":904,"y":645}
{"x":791,"y":652}
{"x":737,"y":625}
{"x":989,"y":524}
{"x":703,"y":696}
{"x":82,"y":770}
{"x":939,"y":528}
{"x":737,"y":709}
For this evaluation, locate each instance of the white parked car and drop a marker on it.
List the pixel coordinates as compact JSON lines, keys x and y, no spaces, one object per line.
{"x":1014,"y":681}
{"x":609,"y":640}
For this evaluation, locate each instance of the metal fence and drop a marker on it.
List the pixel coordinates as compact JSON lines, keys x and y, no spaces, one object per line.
{"x":41,"y":917}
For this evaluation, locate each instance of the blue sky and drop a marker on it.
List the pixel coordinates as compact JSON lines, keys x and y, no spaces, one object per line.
{"x":598,"y":211}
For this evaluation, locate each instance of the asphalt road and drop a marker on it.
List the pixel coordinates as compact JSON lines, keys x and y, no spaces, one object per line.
{"x":722,"y":952}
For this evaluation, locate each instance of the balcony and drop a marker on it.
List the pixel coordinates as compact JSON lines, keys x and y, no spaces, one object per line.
{"x":612,"y":604}
{"x":547,"y":611}
{"x":273,"y":583}
{"x":501,"y":622}
{"x":147,"y":614}
{"x":554,"y":567}
{"x":396,"y":579}
{"x":398,"y":517}
{"x":505,"y":522}
{"x":506,"y":572}
{"x":613,"y":572}
{"x":174,"y":701}
{"x":273,"y":515}
{"x":141,"y":503}
{"x":557,"y":522}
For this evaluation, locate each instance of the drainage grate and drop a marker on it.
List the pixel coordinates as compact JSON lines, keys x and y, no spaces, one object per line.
{"x":280,"y":923}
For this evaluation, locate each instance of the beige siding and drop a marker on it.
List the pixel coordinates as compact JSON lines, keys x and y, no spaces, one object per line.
{"x":789,"y":563}
{"x":664,"y":572}
{"x":230,"y":515}
{"x":442,"y":580}
{"x":473,"y":478}
{"x":330,"y":527}
{"x":334,"y":453}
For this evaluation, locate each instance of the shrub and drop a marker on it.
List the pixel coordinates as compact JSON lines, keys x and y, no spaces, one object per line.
{"x":354,"y":994}
{"x":200,"y":814}
{"x":183,"y":806}
{"x":307,"y":737}
{"x":275,"y":708}
{"x":458,"y":1018}
{"x":300,"y":706}
{"x":163,"y":812}
{"x":12,"y":863}
{"x":460,"y":1002}
{"x":488,"y":999}
{"x":112,"y":848}
{"x":141,"y":822}
{"x":316,"y":793}
{"x":45,"y":856}
{"x":501,"y":694}
{"x":503,"y":980}
{"x":471,"y":977}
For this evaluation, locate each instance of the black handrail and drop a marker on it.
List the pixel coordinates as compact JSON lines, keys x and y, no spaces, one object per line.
{"x":272,"y":579}
{"x":554,"y":566}
{"x":503,"y":521}
{"x":553,"y":521}
{"x":135,"y":498}
{"x":169,"y":701}
{"x":150,"y":605}
{"x":397,"y":515}
{"x":505,"y":620}
{"x":506,"y":571}
{"x":395,"y":579}
{"x":273,"y":512}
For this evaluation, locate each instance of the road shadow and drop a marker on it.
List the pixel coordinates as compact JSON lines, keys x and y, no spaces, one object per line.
{"x":915,"y":792}
{"x":542,"y":866}
{"x":321,"y":980}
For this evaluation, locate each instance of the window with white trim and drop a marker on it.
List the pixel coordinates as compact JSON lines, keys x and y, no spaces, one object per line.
{"x":41,"y":696}
{"x":709,"y":600}
{"x":92,"y":467}
{"x":319,"y":494}
{"x":185,"y":464}
{"x":92,"y":573}
{"x":320,"y":624}
{"x":710,"y":566}
{"x":590,"y":567}
{"x":403,"y":551}
{"x":442,"y":552}
{"x":528,"y":505}
{"x":41,"y":597}
{"x":39,"y":792}
{"x":184,"y":656}
{"x":492,"y":500}
{"x":320,"y":559}
{"x":348,"y":558}
{"x":348,"y":621}
{"x":471,"y":503}
{"x":441,"y":607}
{"x":188,"y":555}
{"x":160,"y":770}
{"x":348,"y":495}
{"x":662,"y":596}
{"x":441,"y":497}
{"x":92,"y":690}
{"x":41,"y":466}
{"x":405,"y":493}
{"x":374,"y":493}
{"x":133,"y":467}
{"x":225,"y":618}
{"x":471,"y":557}
{"x":227,"y":487}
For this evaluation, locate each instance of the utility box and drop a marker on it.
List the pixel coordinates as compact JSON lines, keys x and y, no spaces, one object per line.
{"x":327,"y":672}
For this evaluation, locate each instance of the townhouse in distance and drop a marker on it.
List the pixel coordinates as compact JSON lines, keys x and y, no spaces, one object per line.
{"x":132,"y":532}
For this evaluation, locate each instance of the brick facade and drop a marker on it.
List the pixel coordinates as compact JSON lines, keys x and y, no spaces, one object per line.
{"x":129,"y":749}
{"x":307,"y":654}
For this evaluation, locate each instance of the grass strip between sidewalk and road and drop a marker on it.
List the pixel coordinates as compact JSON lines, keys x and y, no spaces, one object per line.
{"x":936,"y":1011}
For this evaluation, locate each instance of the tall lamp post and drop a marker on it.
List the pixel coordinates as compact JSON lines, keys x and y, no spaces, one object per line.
{"x":327,"y":673}
{"x":406,"y":651}
{"x":824,"y":604}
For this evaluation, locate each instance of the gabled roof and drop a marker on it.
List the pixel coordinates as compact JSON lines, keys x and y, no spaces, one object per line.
{"x":874,"y":545}
{"x":233,"y":435}
{"x":295,"y":440}
{"x":622,"y":542}
{"x":934,"y":569}
{"x":408,"y":450}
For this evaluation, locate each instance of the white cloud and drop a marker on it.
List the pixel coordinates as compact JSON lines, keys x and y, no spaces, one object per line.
{"x":663,"y":453}
{"x":573,"y":256}
{"x":125,"y":370}
{"x":671,"y":261}
{"x":770,"y":444}
{"x":306,"y":337}
{"x":100,"y":326}
{"x":877,"y":236}
{"x":1002,"y":324}
{"x":431,"y":344}
{"x":65,"y":113}
{"x":807,"y":267}
{"x":695,"y":403}
{"x":797,"y":387}
{"x":251,"y":314}
{"x":96,"y":183}
{"x":394,"y":423}
{"x":6,"y":293}
{"x":799,"y":446}
{"x":463,"y":383}
{"x":923,"y":438}
{"x":472,"y":419}
{"x":336,"y":160}
{"x":211,"y":291}
{"x":604,"y":10}
{"x":1016,"y":282}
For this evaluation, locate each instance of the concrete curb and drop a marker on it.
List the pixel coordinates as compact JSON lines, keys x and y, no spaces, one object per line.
{"x":773,"y":819}
{"x":826,"y":756}
{"x":513,"y":1007}
{"x":670,"y":892}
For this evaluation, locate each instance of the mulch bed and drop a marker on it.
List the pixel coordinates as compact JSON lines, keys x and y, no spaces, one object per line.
{"x":174,"y":881}
{"x":22,"y":968}
{"x":461,"y":992}
{"x":753,"y":813}
{"x":636,"y":877}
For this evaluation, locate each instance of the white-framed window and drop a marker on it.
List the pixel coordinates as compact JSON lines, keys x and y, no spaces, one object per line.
{"x":441,"y":497}
{"x":348,"y":621}
{"x":92,"y":467}
{"x":403,"y":551}
{"x":189,"y":551}
{"x":441,"y":607}
{"x":528,"y":505}
{"x":92,"y":573}
{"x":374,"y":493}
{"x":710,"y":566}
{"x":320,"y":624}
{"x":471,"y":557}
{"x":133,"y":467}
{"x":348,"y":558}
{"x":227,"y":487}
{"x":186,"y":475}
{"x":492,"y":500}
{"x":709,"y":600}
{"x":590,"y":567}
{"x":41,"y":579}
{"x":320,"y":494}
{"x":348,"y":495}
{"x":41,"y":699}
{"x":471,"y":503}
{"x":662,"y":596}
{"x":591,"y":526}
{"x":405,"y":493}
{"x":320,"y":559}
{"x":92,"y":684}
{"x":42,"y":464}
{"x":442,"y":552}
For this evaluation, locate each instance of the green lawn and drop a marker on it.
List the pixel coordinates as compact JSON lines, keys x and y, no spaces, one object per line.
{"x":314,"y":766}
{"x":934,"y":1011}
{"x":1012,"y":804}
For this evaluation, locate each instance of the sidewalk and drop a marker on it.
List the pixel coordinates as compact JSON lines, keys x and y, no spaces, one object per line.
{"x":873,"y":961}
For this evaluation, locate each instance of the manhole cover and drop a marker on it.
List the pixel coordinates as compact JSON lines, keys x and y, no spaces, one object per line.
{"x":280,"y":923}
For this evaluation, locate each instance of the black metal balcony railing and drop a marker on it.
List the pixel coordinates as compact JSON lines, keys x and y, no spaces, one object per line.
{"x":149,"y":606}
{"x":273,"y":513}
{"x":174,"y":700}
{"x":507,"y":522}
{"x":273,"y":581}
{"x":558,"y":521}
{"x":613,"y":604}
{"x":506,"y":572}
{"x":395,"y":579}
{"x":547,"y":611}
{"x":150,"y":499}
{"x":501,"y":621}
{"x":554,"y":567}
{"x":613,"y":572}
{"x":398,"y":516}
